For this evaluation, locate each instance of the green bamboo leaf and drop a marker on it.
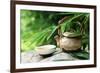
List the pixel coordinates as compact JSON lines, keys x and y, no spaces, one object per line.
{"x":42,"y":40}
{"x":80,"y":55}
{"x":67,"y":13}
{"x":67,"y":22}
{"x":63,"y":27}
{"x":37,"y":37}
{"x":52,"y":32}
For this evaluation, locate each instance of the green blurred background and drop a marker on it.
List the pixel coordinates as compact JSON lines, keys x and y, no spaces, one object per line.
{"x":40,"y":27}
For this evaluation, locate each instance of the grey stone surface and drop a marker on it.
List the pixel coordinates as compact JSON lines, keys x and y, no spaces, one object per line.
{"x":59,"y":57}
{"x":33,"y":56}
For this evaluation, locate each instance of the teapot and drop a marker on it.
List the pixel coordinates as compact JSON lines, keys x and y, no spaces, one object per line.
{"x":68,"y":41}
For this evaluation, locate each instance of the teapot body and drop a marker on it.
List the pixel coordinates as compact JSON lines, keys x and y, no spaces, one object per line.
{"x":68,"y":44}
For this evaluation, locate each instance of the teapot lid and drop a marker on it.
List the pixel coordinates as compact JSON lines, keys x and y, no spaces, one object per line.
{"x":71,"y":35}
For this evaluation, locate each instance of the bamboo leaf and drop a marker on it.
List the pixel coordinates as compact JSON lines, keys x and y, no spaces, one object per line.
{"x":81,"y":55}
{"x":67,"y":22}
{"x":52,"y":32}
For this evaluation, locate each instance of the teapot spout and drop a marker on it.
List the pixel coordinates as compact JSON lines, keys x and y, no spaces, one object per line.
{"x":57,"y":38}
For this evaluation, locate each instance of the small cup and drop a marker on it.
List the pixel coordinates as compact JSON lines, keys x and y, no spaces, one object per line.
{"x":46,"y":50}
